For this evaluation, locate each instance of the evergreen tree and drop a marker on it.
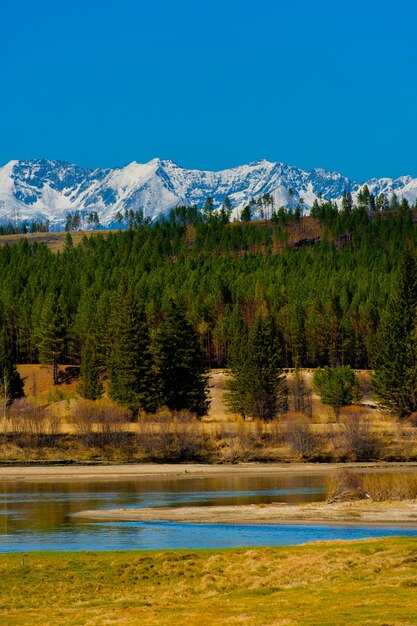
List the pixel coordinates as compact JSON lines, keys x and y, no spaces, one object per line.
{"x":89,"y":386}
{"x":119,"y":218}
{"x":395,"y":358}
{"x":337,"y":386}
{"x":131,"y":368}
{"x":180,"y":364}
{"x":208,"y":206}
{"x":68,"y":243}
{"x":347,"y":203}
{"x":394,"y":205}
{"x":257,"y":387}
{"x":11,"y":385}
{"x":50,"y":334}
{"x":246,"y":214}
{"x":226,"y":210}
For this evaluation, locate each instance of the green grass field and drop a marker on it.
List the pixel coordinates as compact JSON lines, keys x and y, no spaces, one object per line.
{"x":366,"y":582}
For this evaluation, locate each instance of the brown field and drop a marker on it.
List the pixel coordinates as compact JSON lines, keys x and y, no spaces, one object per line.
{"x":53,"y":240}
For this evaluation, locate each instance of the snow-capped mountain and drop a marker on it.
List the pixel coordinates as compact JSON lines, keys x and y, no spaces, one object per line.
{"x":43,"y":189}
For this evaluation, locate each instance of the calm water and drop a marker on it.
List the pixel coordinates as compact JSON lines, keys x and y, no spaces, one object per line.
{"x":38,"y":516}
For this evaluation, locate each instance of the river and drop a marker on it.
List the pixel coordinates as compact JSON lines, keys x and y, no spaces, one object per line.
{"x":39,"y":516}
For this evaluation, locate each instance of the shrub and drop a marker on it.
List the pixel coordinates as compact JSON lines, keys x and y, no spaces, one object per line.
{"x":357,"y":437}
{"x":298,"y":435}
{"x":33,"y":425}
{"x":172,"y":437}
{"x":56,"y":395}
{"x":99,"y":424}
{"x":346,"y":485}
{"x":382,"y":487}
{"x":241,"y":441}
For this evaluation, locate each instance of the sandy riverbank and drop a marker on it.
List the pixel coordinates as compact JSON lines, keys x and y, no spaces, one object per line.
{"x":357,"y":513}
{"x":48,"y":473}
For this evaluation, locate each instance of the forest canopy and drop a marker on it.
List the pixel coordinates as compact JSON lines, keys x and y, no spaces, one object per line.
{"x":325,"y":295}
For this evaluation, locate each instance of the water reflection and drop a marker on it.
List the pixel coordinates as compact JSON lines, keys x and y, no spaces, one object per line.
{"x":46,"y":508}
{"x":38,"y":516}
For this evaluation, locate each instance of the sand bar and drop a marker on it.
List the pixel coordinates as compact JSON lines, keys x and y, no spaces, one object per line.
{"x":53,"y":473}
{"x":358,"y":513}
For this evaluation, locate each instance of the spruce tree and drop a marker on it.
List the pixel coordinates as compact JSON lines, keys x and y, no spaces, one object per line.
{"x":89,"y":386}
{"x":337,"y":386}
{"x":10,"y":382}
{"x":180,"y":364}
{"x":11,"y":385}
{"x":68,"y":243}
{"x":395,"y":354}
{"x":257,"y":388}
{"x":131,"y":369}
{"x":50,"y":334}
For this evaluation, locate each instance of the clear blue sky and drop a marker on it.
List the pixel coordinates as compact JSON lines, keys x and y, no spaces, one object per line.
{"x":212,"y":84}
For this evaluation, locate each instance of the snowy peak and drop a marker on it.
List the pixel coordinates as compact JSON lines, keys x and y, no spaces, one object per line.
{"x":44,"y":189}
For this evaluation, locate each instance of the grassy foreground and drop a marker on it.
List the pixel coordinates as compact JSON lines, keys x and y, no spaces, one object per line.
{"x":365,"y":582}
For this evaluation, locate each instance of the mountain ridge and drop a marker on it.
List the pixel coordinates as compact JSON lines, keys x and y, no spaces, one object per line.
{"x":50,"y":189}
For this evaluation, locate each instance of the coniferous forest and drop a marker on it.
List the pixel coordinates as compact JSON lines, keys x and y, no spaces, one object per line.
{"x":151,"y":308}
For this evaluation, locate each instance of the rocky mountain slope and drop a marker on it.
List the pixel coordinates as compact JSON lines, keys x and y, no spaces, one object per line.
{"x":43,"y":189}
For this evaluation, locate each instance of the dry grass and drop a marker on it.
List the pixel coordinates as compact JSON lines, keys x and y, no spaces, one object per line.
{"x":346,"y":485}
{"x":361,"y":434}
{"x":38,"y":383}
{"x":54,"y":240}
{"x":340,"y":583}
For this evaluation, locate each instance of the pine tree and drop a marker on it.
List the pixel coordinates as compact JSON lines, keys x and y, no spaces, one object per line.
{"x":50,"y":334}
{"x":337,"y":386}
{"x":9,"y":376}
{"x":180,"y":364}
{"x":208,"y":206}
{"x":89,"y":386}
{"x":257,"y":387}
{"x":394,"y":205}
{"x":68,"y":243}
{"x":11,"y":385}
{"x":131,"y":369}
{"x":246,"y":214}
{"x":347,"y":203}
{"x":226,"y":210}
{"x":395,"y":357}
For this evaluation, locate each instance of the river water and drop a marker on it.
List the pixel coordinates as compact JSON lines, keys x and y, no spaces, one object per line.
{"x":39,"y":516}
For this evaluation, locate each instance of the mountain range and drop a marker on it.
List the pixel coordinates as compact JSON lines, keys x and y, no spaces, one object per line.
{"x":40,"y":189}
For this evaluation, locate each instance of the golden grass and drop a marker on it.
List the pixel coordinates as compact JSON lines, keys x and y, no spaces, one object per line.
{"x":370,"y":582}
{"x":385,"y":487}
{"x":55,"y":241}
{"x":225,"y":438}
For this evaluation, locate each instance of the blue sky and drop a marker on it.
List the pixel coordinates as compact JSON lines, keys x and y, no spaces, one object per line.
{"x":212,"y":84}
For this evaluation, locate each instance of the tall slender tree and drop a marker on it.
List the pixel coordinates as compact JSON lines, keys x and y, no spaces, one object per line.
{"x":50,"y":334}
{"x":257,"y":387}
{"x":11,"y":385}
{"x":395,"y":354}
{"x":90,"y":386}
{"x":180,"y":363}
{"x":133,"y":380}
